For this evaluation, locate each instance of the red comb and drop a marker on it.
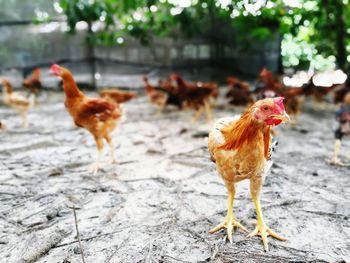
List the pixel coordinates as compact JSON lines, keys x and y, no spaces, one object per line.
{"x":279,"y":102}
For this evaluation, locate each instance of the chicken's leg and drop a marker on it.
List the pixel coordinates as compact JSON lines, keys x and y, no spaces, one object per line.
{"x":111,"y":147}
{"x":96,"y":165}
{"x":208,"y":110}
{"x":261,"y":228}
{"x":24,"y":119}
{"x":230,"y":220}
{"x":197,"y":114}
{"x":336,"y":151}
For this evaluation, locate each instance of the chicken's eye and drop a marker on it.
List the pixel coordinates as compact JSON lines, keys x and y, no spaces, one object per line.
{"x":266,"y":108}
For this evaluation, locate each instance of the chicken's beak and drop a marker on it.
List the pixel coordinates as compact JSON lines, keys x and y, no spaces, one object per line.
{"x":284,"y":117}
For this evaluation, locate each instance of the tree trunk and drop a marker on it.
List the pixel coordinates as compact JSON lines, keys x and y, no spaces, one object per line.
{"x":280,"y":68}
{"x":340,"y":35}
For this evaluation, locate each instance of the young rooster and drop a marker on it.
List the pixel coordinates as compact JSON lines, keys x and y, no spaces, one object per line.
{"x":98,"y":116}
{"x":241,"y":149}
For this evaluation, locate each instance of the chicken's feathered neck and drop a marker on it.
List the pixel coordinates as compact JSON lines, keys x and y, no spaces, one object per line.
{"x":246,"y":129}
{"x":70,"y":87}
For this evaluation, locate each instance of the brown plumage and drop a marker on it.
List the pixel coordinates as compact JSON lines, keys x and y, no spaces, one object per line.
{"x":33,"y":81}
{"x":117,"y":96}
{"x":239,"y":92}
{"x":98,"y":116}
{"x":196,"y":95}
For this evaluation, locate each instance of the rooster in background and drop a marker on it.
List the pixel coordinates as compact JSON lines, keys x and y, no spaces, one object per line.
{"x":197,"y":95}
{"x":241,"y":148}
{"x":98,"y":116}
{"x":33,"y":82}
{"x":17,"y":101}
{"x":343,"y":119}
{"x":116,"y":95}
{"x":239,"y":92}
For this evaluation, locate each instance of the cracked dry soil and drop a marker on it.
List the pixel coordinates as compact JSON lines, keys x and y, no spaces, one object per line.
{"x":164,"y":194}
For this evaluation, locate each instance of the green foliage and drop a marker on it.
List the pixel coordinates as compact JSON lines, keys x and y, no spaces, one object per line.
{"x":310,"y":28}
{"x":88,"y":11}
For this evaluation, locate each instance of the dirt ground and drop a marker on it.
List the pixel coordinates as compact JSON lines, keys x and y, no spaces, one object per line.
{"x":164,"y":194}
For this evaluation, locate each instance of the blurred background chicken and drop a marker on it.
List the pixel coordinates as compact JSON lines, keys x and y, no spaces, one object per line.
{"x":33,"y":81}
{"x":197,"y":95}
{"x":239,"y":92}
{"x":17,"y":101}
{"x":343,"y":128}
{"x":267,"y":85}
{"x":98,"y":116}
{"x":156,"y":97}
{"x":116,"y":95}
{"x":240,"y":147}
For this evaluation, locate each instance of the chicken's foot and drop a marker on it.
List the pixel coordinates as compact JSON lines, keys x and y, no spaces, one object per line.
{"x":96,"y":165}
{"x":261,"y":228}
{"x":24,"y":120}
{"x":230,"y":220}
{"x":335,"y":160}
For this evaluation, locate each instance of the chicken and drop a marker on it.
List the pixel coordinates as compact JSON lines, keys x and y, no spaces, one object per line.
{"x":156,"y":97}
{"x":117,"y":96}
{"x":17,"y":101}
{"x":267,"y":85}
{"x":33,"y":82}
{"x":343,"y":119}
{"x":238,"y":93}
{"x":161,"y":96}
{"x":197,"y":95}
{"x":98,"y":116}
{"x":240,"y":148}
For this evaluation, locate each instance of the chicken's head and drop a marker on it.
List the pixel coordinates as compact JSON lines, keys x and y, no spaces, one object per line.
{"x":270,"y":111}
{"x":59,"y":71}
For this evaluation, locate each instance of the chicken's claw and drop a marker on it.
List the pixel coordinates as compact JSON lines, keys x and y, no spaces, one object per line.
{"x":112,"y":160}
{"x":336,"y":161}
{"x":94,"y":168}
{"x":229,"y":227}
{"x":264,"y":231}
